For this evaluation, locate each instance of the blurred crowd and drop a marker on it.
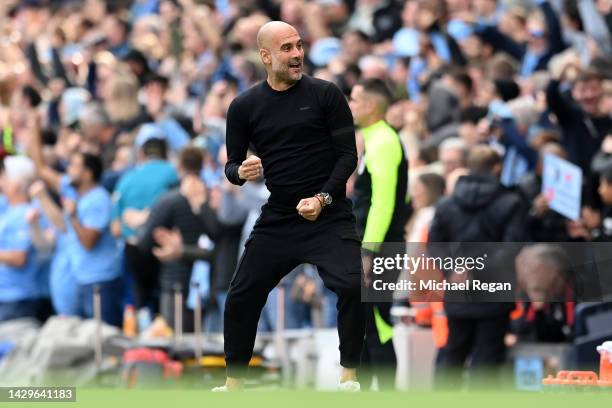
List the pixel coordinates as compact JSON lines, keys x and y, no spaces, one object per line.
{"x":113,"y":117}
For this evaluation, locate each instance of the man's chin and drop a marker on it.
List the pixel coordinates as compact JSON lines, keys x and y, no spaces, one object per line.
{"x":296,"y":77}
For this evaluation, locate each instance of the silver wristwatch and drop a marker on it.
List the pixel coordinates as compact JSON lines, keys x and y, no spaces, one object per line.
{"x":327,"y":198}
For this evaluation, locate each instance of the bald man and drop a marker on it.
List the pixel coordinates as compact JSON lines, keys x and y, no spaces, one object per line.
{"x":302,"y":130}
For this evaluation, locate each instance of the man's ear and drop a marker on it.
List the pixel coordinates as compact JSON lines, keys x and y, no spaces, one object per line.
{"x":266,"y":58}
{"x":371,"y":105}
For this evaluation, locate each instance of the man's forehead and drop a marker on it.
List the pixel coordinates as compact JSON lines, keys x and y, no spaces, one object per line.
{"x":287,"y":38}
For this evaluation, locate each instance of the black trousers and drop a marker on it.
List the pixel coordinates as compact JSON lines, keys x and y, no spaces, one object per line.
{"x":479,"y":340}
{"x":144,"y":268}
{"x":280,"y":241}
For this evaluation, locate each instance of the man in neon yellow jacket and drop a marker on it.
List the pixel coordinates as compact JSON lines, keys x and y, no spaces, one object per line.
{"x":381,"y":212}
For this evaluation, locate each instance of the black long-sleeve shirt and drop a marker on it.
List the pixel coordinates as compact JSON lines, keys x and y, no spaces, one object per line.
{"x":173,"y":211}
{"x":304,"y":136}
{"x":582,"y":135}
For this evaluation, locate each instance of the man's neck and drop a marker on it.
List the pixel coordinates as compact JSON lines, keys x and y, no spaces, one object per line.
{"x":372,"y":120}
{"x":84,"y":188}
{"x":150,"y":159}
{"x":16,"y":200}
{"x":279,"y":85}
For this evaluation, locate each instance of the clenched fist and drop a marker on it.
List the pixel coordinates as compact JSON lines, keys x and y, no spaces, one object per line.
{"x":250,"y":169}
{"x":310,"y":208}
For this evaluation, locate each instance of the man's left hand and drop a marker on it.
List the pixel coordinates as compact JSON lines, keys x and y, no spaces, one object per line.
{"x":170,"y":244}
{"x":310,"y":208}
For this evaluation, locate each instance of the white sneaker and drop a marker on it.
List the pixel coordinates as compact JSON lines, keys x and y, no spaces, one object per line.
{"x":222,"y":388}
{"x":349,"y":386}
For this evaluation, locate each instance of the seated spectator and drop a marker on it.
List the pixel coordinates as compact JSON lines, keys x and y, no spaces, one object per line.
{"x":544,"y":273}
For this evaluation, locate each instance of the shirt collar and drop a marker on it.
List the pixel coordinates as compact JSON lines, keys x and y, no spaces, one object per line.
{"x":373,"y":128}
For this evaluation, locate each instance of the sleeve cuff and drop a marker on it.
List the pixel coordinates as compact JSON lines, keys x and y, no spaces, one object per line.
{"x":237,"y":178}
{"x":370,"y":248}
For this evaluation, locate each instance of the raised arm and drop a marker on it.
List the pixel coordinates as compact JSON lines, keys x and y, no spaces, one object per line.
{"x":52,"y":211}
{"x":555,"y":37}
{"x":559,"y":105}
{"x":500,"y":41}
{"x":50,"y":176}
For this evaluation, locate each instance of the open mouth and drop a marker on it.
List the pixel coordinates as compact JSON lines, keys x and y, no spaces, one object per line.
{"x":295,"y":65}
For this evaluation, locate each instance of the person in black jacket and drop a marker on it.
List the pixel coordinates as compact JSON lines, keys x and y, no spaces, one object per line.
{"x":480,"y":210}
{"x":583,"y":123}
{"x":579,"y":114}
{"x":223,"y":230}
{"x":173,"y":210}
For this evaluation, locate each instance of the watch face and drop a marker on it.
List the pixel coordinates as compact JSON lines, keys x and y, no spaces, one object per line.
{"x":327,"y":199}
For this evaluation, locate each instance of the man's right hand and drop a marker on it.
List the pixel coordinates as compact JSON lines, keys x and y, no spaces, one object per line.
{"x":250,"y":169}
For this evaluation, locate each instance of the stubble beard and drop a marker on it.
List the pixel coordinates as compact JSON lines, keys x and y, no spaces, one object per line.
{"x":281,"y":72}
